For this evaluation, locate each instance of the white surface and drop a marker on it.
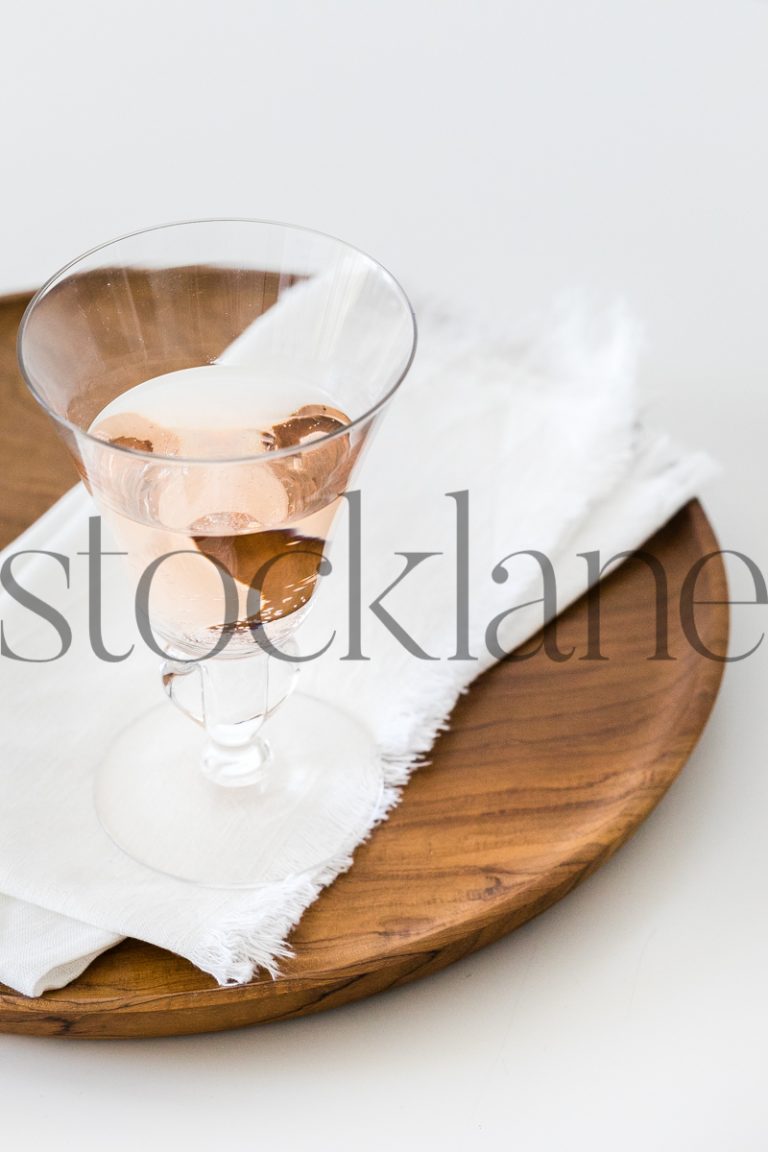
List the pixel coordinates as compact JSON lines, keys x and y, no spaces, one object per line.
{"x":500,"y":156}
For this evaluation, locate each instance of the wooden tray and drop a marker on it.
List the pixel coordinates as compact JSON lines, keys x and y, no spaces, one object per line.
{"x":546,"y":770}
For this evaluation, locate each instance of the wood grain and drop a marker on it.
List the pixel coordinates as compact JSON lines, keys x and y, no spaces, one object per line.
{"x":547,"y":768}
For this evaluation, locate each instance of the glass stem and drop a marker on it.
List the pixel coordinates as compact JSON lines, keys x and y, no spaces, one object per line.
{"x":235,"y":696}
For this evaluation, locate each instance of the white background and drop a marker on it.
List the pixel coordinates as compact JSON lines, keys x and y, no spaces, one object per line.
{"x":499,"y":152}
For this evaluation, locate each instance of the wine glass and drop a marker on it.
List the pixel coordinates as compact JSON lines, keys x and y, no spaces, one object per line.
{"x":216,"y":382}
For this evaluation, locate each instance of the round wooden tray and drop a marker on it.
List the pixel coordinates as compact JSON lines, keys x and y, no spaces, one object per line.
{"x":547,"y":769}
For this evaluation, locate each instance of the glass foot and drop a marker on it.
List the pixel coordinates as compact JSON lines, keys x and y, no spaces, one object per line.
{"x":313,"y":803}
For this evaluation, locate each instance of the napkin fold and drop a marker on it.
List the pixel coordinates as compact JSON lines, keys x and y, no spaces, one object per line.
{"x":541,"y":431}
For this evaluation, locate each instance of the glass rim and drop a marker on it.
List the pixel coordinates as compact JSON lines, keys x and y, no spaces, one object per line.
{"x":290,"y":450}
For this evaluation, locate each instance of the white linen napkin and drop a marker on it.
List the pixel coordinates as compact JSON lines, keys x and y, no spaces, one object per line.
{"x":543,"y":432}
